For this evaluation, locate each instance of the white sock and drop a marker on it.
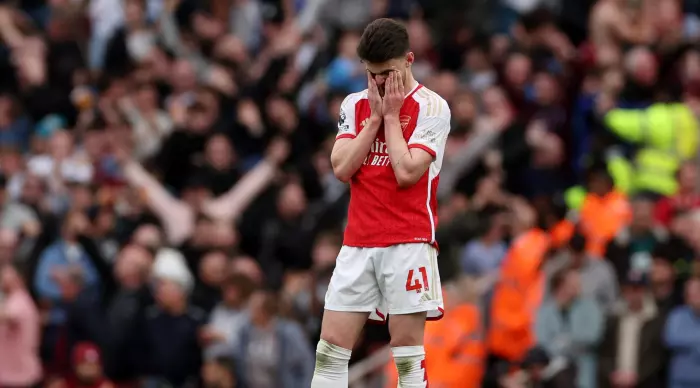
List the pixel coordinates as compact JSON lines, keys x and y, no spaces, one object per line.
{"x":410,"y":362}
{"x":331,"y":366}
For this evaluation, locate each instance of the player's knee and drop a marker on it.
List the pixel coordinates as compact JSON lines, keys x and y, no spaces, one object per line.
{"x":407,"y":330}
{"x":342,"y":328}
{"x":406,"y":336}
{"x":405,"y":339}
{"x":335,"y":338}
{"x":330,"y":357}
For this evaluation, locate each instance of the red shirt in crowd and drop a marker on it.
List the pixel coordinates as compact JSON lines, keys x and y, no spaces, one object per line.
{"x":668,"y":206}
{"x":87,"y":354}
{"x":380,"y":213}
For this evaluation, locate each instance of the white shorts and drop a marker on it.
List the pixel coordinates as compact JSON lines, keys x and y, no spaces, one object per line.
{"x":400,"y":279}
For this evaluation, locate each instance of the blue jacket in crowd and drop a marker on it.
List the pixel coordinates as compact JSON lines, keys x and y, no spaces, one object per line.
{"x":295,"y":358}
{"x":682,"y":336}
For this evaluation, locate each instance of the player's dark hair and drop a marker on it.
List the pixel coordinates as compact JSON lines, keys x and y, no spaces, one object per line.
{"x":382,"y":40}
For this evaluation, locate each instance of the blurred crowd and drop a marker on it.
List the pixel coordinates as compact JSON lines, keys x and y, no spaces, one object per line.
{"x":170,"y":217}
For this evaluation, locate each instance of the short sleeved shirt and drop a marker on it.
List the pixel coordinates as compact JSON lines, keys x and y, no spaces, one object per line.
{"x":381,"y":214}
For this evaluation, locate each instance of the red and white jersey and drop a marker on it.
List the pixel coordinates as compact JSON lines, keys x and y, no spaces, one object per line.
{"x":381,"y":214}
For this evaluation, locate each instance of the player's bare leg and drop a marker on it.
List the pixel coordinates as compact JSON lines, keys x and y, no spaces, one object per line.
{"x":339,"y":332}
{"x":407,"y":346}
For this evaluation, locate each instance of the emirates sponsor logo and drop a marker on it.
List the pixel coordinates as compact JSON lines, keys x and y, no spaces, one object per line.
{"x":379,"y":147}
{"x":378,"y":155}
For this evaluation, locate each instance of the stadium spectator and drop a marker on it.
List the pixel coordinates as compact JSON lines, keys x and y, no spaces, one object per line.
{"x":219,"y":374}
{"x":570,"y":326}
{"x":598,"y":279}
{"x":483,"y":256}
{"x":64,"y":269}
{"x":227,"y":318}
{"x":170,"y":345}
{"x":666,"y":282}
{"x":19,"y":332}
{"x":632,"y":248}
{"x":636,"y":324}
{"x":87,"y":369}
{"x":125,"y":310}
{"x":537,"y":369}
{"x":271,"y":351}
{"x":519,"y":290}
{"x":211,"y":275}
{"x":679,"y":336}
{"x":603,"y":211}
{"x":684,"y":200}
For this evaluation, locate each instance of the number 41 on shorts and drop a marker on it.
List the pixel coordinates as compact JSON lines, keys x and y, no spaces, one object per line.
{"x":414,"y":284}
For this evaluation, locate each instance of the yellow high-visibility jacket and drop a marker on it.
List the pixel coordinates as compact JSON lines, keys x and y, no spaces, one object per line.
{"x":667,"y":135}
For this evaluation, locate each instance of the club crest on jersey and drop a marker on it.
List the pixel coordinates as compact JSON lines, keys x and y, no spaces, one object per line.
{"x":364,"y":123}
{"x":404,"y":120}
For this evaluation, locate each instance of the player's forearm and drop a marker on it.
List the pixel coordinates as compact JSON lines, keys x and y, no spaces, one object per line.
{"x":406,"y":170}
{"x":347,"y":158}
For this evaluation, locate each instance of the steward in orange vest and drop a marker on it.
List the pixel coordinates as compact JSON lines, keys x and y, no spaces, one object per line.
{"x":519,"y":290}
{"x":454,"y":346}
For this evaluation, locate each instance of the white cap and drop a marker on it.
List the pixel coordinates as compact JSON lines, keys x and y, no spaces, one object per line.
{"x":170,"y":265}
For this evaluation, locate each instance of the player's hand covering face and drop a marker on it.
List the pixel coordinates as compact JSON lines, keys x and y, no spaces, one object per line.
{"x":375,"y":99}
{"x":393,"y":94}
{"x":380,"y":72}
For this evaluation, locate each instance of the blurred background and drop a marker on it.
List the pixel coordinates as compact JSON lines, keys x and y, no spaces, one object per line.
{"x":170,"y":217}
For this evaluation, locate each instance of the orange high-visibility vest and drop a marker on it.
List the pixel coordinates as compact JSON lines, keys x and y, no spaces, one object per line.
{"x":517,"y":296}
{"x":601,"y":218}
{"x":561,"y":233}
{"x":455,"y":351}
